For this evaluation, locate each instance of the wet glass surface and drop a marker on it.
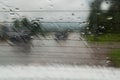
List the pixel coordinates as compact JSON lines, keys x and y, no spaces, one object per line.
{"x":61,"y":32}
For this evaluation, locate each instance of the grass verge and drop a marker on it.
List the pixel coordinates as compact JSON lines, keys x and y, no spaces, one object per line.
{"x":115,"y":57}
{"x":104,"y":38}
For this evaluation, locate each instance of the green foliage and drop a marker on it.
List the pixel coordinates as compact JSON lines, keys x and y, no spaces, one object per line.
{"x":111,"y":21}
{"x":17,"y":23}
{"x":99,"y":18}
{"x":35,"y":28}
{"x":104,"y":38}
{"x":115,"y":57}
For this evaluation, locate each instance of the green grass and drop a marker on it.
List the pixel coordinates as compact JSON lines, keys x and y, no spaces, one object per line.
{"x":104,"y":38}
{"x":115,"y":57}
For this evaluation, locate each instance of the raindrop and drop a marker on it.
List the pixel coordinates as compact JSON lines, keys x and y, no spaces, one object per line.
{"x":82,"y":33}
{"x":68,"y":17}
{"x":82,"y":4}
{"x":98,"y":13}
{"x":105,"y":5}
{"x":107,"y":61}
{"x":17,"y":8}
{"x":88,"y":22}
{"x":13,"y":18}
{"x":38,"y":20}
{"x":107,"y":2}
{"x":41,"y":8}
{"x":41,"y":18}
{"x":51,"y":5}
{"x":78,"y":17}
{"x":61,"y":19}
{"x":80,"y":23}
{"x":3,"y":8}
{"x":102,"y":27}
{"x":111,"y":2}
{"x":84,"y":21}
{"x":12,"y":13}
{"x":87,"y":28}
{"x":109,"y":18}
{"x":11,"y":10}
{"x":93,"y":3}
{"x":73,"y":14}
{"x":89,"y":32}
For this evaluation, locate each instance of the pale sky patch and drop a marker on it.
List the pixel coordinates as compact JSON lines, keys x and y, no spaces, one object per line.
{"x":105,"y":6}
{"x":31,"y":5}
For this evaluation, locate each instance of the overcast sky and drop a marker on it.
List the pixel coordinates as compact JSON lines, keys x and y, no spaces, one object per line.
{"x":33,"y":5}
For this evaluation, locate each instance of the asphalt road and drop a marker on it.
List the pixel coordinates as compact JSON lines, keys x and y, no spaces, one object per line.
{"x":47,"y":51}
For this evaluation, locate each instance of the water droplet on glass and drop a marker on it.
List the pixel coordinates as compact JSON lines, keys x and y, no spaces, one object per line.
{"x":41,"y":8}
{"x":13,"y":18}
{"x":51,"y":5}
{"x":87,"y":28}
{"x":83,"y":33}
{"x":17,"y":8}
{"x":11,"y":10}
{"x":80,"y":23}
{"x":68,"y":17}
{"x":61,"y":19}
{"x":41,"y":18}
{"x":73,"y":14}
{"x":89,"y":33}
{"x":3,"y":8}
{"x":109,"y":18}
{"x":107,"y":2}
{"x":84,"y":21}
{"x":102,"y":27}
{"x":98,"y":13}
{"x":82,"y":4}
{"x":78,"y":17}
{"x":12,"y":13}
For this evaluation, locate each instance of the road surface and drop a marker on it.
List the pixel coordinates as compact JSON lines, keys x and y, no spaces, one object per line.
{"x":47,"y":51}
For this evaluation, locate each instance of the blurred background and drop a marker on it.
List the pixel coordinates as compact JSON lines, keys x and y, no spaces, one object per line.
{"x":60,"y":32}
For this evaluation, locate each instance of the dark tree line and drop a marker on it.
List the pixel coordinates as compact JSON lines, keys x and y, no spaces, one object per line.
{"x":21,"y":31}
{"x":102,"y":22}
{"x":34,"y":28}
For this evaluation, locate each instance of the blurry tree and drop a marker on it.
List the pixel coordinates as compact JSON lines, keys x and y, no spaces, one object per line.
{"x":32,"y":27}
{"x":101,"y":21}
{"x":114,"y":12}
{"x":94,"y":17}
